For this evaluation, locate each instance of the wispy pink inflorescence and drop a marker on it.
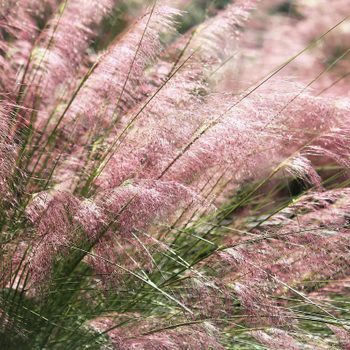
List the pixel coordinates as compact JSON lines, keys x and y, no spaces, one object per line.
{"x":246,"y":136}
{"x":255,"y":289}
{"x":342,"y":335}
{"x":7,"y":153}
{"x":196,"y":337}
{"x":19,"y":23}
{"x":60,"y":220}
{"x":19,"y":17}
{"x":212,"y":42}
{"x":309,"y":243}
{"x":218,"y":37}
{"x":63,"y":48}
{"x":145,"y":141}
{"x":262,"y":130}
{"x":301,"y":168}
{"x":110,"y":90}
{"x":178,"y":102}
{"x":14,"y":254}
{"x":131,"y":209}
{"x":112,"y":216}
{"x":142,"y":202}
{"x":269,"y":42}
{"x":276,"y":339}
{"x":52,"y":216}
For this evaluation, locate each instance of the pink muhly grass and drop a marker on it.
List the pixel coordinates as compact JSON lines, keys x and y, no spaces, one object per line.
{"x":52,"y":217}
{"x":278,"y":42}
{"x":19,"y":22}
{"x":7,"y":154}
{"x":250,"y":126}
{"x":241,"y":136}
{"x":342,"y":335}
{"x":176,"y":103}
{"x":190,"y":80}
{"x":103,"y":102}
{"x":142,"y":336}
{"x":121,"y":67}
{"x":297,"y":251}
{"x":111,"y":215}
{"x":218,"y":36}
{"x":276,"y":339}
{"x":110,"y":164}
{"x":62,"y":48}
{"x":133,"y":208}
{"x":153,"y":199}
